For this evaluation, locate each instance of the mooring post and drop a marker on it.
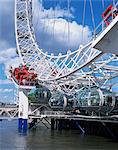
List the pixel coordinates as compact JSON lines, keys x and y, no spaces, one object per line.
{"x":52,"y":123}
{"x":56,"y":122}
{"x":82,"y":130}
{"x":108,"y":129}
{"x":19,"y":124}
{"x":60,"y":122}
{"x":23,"y":112}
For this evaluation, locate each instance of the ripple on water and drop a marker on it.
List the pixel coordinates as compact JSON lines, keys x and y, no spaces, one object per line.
{"x":45,"y":139}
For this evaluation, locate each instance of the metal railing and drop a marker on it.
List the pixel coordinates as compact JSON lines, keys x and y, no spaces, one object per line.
{"x":53,"y":113}
{"x":102,"y":25}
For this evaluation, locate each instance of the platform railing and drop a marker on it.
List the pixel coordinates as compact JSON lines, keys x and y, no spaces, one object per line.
{"x":8,"y":112}
{"x":102,"y":26}
{"x":53,"y":113}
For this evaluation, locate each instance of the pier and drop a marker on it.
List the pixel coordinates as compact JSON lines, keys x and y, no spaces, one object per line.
{"x":66,"y":91}
{"x":61,"y":120}
{"x":8,"y":112}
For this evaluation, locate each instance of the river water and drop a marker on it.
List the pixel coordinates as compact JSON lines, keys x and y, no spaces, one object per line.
{"x":45,"y":139}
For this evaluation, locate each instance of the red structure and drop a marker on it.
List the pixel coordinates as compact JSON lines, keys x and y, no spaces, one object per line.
{"x":24,"y":76}
{"x":108,"y":13}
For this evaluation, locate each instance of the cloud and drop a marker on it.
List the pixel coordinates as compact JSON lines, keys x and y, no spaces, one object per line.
{"x":8,"y":57}
{"x":6,"y":90}
{"x":50,"y":13}
{"x":60,"y":41}
{"x":49,"y":36}
{"x":7,"y":54}
{"x":52,"y":26}
{"x":4,"y":44}
{"x":5,"y":82}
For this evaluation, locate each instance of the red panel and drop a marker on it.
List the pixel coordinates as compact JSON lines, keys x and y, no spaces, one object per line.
{"x":23,"y":73}
{"x":107,"y":14}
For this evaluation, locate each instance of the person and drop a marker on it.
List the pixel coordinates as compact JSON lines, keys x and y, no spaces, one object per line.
{"x":115,"y":12}
{"x":11,"y":69}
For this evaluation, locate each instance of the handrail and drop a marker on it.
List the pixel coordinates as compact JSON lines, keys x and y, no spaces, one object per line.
{"x":101,"y":26}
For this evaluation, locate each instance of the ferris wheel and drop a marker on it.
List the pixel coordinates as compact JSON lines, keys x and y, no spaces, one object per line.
{"x":75,"y":64}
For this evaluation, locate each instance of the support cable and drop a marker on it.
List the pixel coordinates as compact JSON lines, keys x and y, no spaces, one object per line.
{"x":64,"y":32}
{"x":83,"y":20}
{"x":54,"y":22}
{"x":92,"y":14}
{"x":68,"y":24}
{"x":103,"y":4}
{"x":37,"y":22}
{"x":44,"y":19}
{"x":114,"y":2}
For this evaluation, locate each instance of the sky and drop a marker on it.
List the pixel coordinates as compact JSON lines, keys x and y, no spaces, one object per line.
{"x":51,"y":27}
{"x":56,"y":14}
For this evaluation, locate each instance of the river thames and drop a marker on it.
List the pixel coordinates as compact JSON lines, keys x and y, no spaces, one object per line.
{"x":41,"y":138}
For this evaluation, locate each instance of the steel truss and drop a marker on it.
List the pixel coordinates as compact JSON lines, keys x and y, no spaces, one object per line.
{"x":75,"y":69}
